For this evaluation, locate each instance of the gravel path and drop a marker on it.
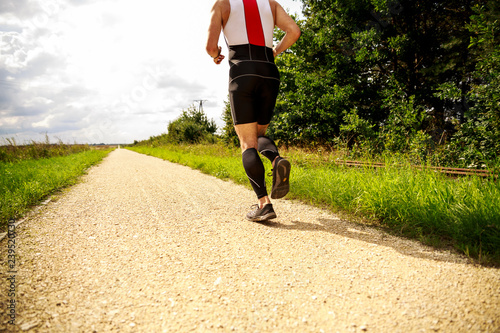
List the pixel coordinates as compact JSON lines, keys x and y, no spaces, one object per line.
{"x":144,"y":245}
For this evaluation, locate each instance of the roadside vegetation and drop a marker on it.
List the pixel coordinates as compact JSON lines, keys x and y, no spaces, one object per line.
{"x":10,"y":151}
{"x":29,"y":173}
{"x":419,"y":78}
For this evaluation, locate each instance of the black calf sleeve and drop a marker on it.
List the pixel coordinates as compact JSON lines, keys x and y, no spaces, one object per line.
{"x":267,"y":148}
{"x":255,"y":171}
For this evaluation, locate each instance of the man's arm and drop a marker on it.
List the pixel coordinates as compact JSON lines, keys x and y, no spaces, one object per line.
{"x":212,"y":47}
{"x":288,"y":25}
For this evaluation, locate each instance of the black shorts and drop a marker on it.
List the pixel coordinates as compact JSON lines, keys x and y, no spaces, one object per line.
{"x":253,"y":84}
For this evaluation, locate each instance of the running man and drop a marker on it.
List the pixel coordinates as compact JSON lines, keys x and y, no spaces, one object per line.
{"x":248,"y":27}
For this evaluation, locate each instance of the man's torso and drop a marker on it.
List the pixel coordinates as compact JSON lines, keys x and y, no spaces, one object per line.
{"x":248,"y":22}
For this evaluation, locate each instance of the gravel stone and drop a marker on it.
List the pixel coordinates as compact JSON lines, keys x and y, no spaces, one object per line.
{"x":145,"y":245}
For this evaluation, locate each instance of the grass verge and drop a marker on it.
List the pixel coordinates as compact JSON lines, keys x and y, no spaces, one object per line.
{"x":425,"y":205}
{"x":25,"y":183}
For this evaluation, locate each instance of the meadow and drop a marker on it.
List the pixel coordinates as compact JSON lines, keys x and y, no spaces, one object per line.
{"x":29,"y":173}
{"x":440,"y":211}
{"x":12,"y":152}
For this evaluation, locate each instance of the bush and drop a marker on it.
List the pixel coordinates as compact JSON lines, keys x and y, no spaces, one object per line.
{"x":192,"y":126}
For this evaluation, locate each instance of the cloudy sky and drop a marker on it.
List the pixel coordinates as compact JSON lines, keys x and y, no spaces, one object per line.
{"x":110,"y":71}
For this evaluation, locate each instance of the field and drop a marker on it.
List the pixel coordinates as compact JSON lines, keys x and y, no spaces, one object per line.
{"x":423,"y":204}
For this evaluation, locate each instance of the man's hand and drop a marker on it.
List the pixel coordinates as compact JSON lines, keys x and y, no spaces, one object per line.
{"x":218,"y":59}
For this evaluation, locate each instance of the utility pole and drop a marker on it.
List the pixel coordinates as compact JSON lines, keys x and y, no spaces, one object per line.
{"x":200,"y":101}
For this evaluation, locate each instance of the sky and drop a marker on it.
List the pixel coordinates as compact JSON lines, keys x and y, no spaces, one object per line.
{"x":106,"y":71}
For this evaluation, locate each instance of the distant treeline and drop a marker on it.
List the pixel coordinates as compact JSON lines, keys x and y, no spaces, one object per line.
{"x":418,"y":77}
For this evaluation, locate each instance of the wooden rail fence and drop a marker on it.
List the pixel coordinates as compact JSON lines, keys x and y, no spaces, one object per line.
{"x":448,"y":171}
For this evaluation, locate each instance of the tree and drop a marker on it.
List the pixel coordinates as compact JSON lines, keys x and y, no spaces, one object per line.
{"x":477,"y":140}
{"x":370,"y":56}
{"x":192,"y":126}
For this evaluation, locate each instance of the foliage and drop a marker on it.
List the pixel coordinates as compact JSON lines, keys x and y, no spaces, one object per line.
{"x":358,"y":132}
{"x":192,"y":126}
{"x":477,"y":140}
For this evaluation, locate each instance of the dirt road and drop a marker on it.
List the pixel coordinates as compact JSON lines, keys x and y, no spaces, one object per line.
{"x":144,"y":245}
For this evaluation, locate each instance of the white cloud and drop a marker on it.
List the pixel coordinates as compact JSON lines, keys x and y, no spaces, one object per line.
{"x":107,"y":70}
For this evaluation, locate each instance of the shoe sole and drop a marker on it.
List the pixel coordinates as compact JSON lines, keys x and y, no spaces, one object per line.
{"x":263,"y":218}
{"x":282,"y":182}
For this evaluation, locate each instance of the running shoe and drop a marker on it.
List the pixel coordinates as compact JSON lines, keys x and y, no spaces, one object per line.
{"x":261,"y":214}
{"x":281,"y":178}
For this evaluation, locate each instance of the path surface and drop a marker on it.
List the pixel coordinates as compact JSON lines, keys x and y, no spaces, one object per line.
{"x":144,"y":245}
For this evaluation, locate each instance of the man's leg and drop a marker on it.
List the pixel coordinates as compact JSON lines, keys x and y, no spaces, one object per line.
{"x":281,"y":167}
{"x":255,"y":171}
{"x":247,"y":133}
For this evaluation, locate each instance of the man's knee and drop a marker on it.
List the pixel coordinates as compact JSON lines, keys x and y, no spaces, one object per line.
{"x":261,"y":130}
{"x":248,"y":143}
{"x":247,"y":133}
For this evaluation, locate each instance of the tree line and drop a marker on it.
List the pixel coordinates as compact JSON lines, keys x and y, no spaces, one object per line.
{"x":418,"y":77}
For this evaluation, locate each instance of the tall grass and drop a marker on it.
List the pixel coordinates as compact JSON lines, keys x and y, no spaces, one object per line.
{"x":422,"y":204}
{"x":12,"y":151}
{"x":26,"y":182}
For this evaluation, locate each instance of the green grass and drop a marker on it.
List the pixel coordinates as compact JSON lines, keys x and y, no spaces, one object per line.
{"x":26,"y":182}
{"x":425,"y":205}
{"x":215,"y":160}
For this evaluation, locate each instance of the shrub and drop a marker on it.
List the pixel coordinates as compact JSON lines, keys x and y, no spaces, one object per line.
{"x":192,"y":126}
